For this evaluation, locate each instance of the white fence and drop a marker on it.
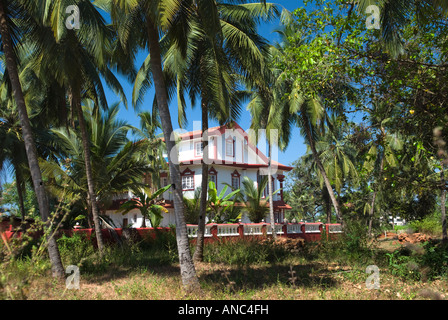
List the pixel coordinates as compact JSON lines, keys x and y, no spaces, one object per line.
{"x":253,"y":230}
{"x":293,"y":228}
{"x":192,"y":231}
{"x":278,"y":229}
{"x":228,"y":230}
{"x":334,"y":228}
{"x":312,"y":228}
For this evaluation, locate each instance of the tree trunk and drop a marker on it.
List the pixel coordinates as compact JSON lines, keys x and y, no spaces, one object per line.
{"x":75,"y":102}
{"x":30,"y":147}
{"x":327,"y":203}
{"x":188,"y":273}
{"x":372,"y":205}
{"x":271,"y":202}
{"x":443,"y":205}
{"x":199,"y":252}
{"x":20,"y":189}
{"x":323,"y":173}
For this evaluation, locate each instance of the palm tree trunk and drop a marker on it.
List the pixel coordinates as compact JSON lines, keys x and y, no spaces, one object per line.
{"x":327,"y":203}
{"x":322,"y":171}
{"x":372,"y":205}
{"x":30,"y":147}
{"x":75,"y":102}
{"x":20,"y":190}
{"x":443,"y":205}
{"x":188,"y":273}
{"x":199,"y":252}
{"x":271,"y":202}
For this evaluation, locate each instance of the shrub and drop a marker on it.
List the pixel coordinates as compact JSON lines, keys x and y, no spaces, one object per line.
{"x":430,"y":224}
{"x":243,"y":251}
{"x":75,"y":249}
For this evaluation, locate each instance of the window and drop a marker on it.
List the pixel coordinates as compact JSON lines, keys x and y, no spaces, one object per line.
{"x":198,"y":148}
{"x":230,"y":147}
{"x":213,"y":176}
{"x":187,"y":182}
{"x":187,"y":179}
{"x":235,"y":180}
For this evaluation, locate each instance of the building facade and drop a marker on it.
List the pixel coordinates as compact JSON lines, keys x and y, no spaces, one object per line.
{"x":231,"y":156}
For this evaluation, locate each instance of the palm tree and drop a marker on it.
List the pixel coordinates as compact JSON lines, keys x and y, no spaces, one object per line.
{"x":209,"y":68}
{"x":396,"y":14}
{"x":382,"y":152}
{"x":337,"y":156}
{"x":256,"y":206}
{"x":191,"y":206}
{"x":10,"y":13}
{"x":138,"y":24}
{"x":156,"y":147}
{"x":77,"y":59}
{"x":146,"y":201}
{"x":118,"y":164}
{"x":13,"y":154}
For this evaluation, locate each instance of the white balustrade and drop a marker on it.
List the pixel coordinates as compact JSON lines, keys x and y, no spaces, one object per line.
{"x":278,"y":229}
{"x":228,"y":230}
{"x":334,"y":228}
{"x":293,"y":228}
{"x":192,"y":231}
{"x":312,"y":228}
{"x":251,"y":230}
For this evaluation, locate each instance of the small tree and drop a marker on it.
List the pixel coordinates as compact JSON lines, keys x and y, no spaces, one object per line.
{"x":256,"y":206}
{"x":148,"y":204}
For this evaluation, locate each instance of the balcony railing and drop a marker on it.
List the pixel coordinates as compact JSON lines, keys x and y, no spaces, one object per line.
{"x":278,"y":229}
{"x":228,"y":230}
{"x":308,"y":231}
{"x":192,"y":231}
{"x":252,"y":230}
{"x":293,"y":228}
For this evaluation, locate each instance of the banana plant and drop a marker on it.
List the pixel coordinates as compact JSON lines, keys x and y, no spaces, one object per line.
{"x":220,"y":203}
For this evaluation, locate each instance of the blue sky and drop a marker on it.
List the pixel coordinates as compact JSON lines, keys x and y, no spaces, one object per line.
{"x":296,"y":147}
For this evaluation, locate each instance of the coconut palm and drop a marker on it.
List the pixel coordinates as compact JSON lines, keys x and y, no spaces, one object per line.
{"x":156,"y":146}
{"x":13,"y":154}
{"x":138,"y":25}
{"x":382,"y":152}
{"x":209,"y":66}
{"x":77,"y":58}
{"x":256,"y":206}
{"x":146,"y":201}
{"x":396,"y":14}
{"x":118,"y":164}
{"x":16,"y":22}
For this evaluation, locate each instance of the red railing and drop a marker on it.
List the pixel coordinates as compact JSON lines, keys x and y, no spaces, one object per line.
{"x":213,"y":231}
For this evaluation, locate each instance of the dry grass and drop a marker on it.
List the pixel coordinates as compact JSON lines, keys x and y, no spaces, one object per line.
{"x":222,"y":282}
{"x":293,"y":278}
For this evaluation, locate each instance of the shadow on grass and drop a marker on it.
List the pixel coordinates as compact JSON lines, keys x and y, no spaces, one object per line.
{"x":259,"y":277}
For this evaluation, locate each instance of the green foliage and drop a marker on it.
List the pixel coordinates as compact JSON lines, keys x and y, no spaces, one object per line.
{"x":243,"y":252}
{"x":75,"y":248}
{"x":9,"y":200}
{"x":430,"y":224}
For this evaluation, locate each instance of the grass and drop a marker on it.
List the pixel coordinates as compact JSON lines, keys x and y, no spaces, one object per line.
{"x":248,"y":270}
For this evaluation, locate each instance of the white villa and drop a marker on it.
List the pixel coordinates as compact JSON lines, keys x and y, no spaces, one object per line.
{"x":231,"y":156}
